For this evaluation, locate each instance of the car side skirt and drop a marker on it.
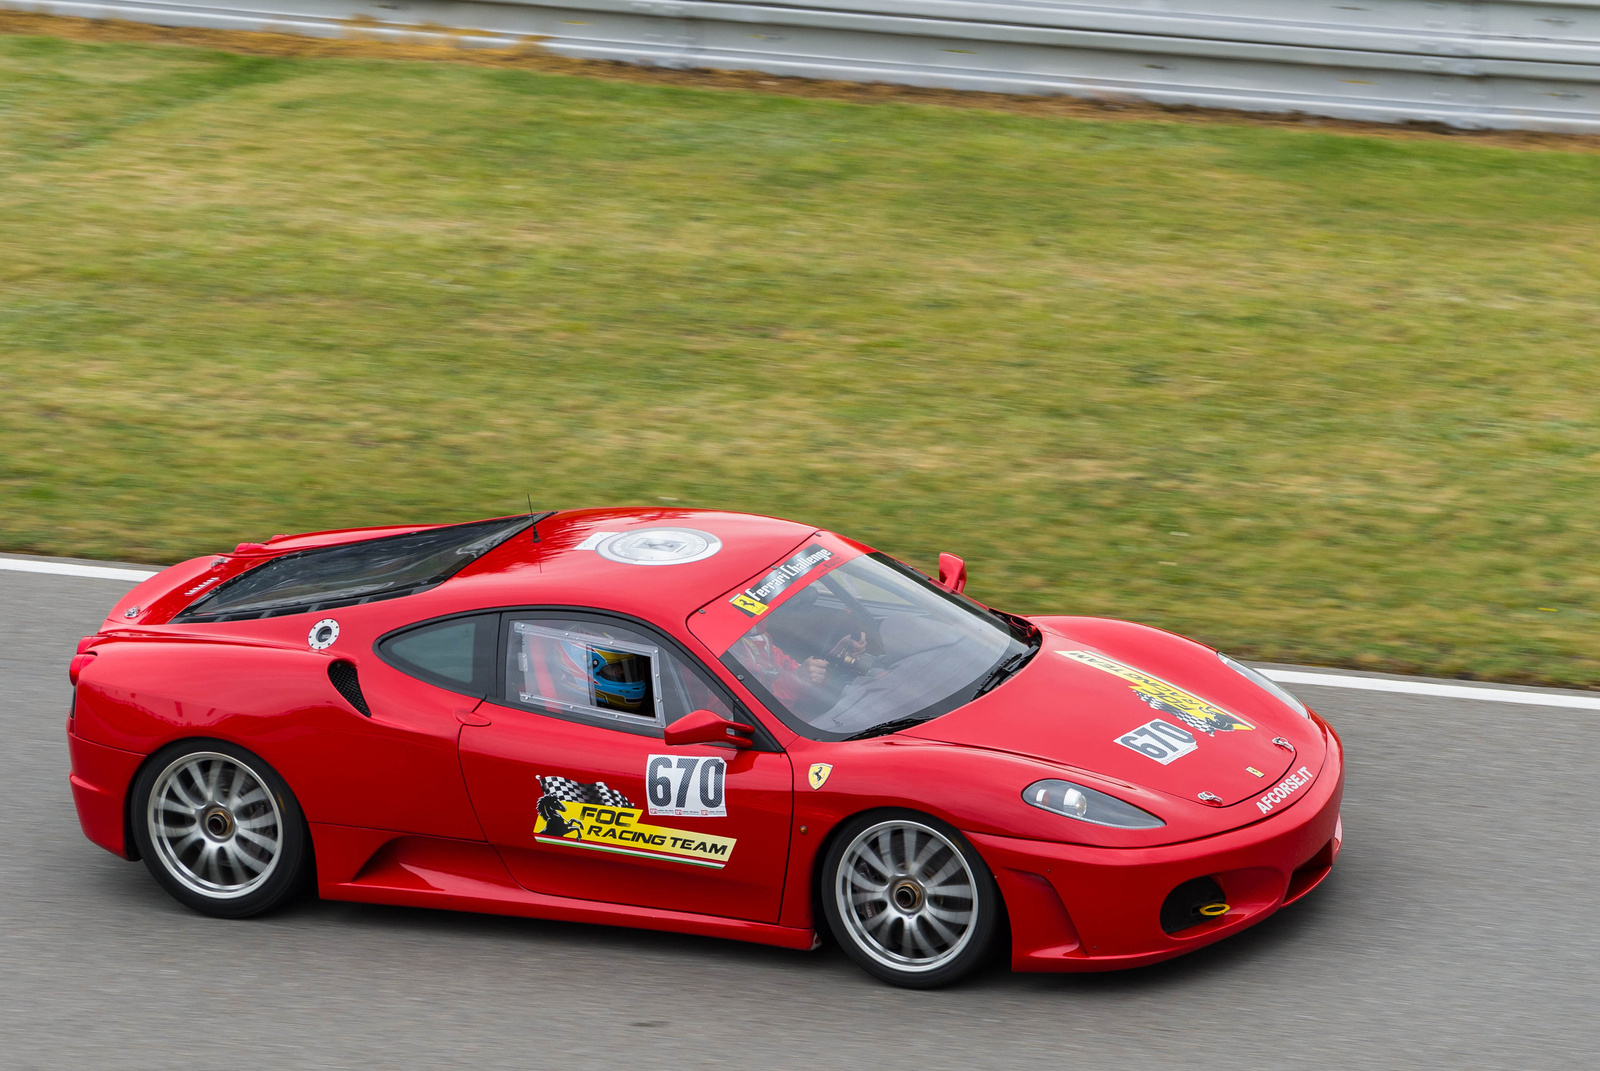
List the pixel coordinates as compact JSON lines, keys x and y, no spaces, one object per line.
{"x":409,"y":871}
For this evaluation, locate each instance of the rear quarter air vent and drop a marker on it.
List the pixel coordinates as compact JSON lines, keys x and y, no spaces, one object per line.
{"x":343,"y":676}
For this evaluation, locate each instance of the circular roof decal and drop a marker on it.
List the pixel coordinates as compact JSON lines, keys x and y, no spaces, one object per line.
{"x":659,"y":546}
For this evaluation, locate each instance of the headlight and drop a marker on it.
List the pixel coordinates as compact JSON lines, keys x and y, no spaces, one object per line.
{"x":1087,"y":805}
{"x":1256,"y":678}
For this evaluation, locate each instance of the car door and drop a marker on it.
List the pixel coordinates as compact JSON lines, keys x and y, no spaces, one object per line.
{"x":390,"y":760}
{"x":575,"y":788}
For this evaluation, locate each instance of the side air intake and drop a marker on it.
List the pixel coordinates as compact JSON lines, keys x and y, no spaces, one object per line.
{"x":343,"y":676}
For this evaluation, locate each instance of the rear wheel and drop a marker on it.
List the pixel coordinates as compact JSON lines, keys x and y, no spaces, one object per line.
{"x":219,"y":829}
{"x":909,"y":899}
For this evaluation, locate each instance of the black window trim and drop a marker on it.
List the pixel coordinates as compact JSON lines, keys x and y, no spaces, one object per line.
{"x":764,"y":740}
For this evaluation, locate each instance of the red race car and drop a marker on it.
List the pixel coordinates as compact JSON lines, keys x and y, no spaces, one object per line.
{"x":705,"y":722}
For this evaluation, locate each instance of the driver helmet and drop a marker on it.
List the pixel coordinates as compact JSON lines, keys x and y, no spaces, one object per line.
{"x":618,"y":680}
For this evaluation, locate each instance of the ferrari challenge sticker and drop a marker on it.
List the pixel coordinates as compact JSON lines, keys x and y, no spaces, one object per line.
{"x":686,"y":786}
{"x":602,"y":819}
{"x":757,"y":599}
{"x":1284,"y":789}
{"x":1160,"y":740}
{"x":1166,"y":698}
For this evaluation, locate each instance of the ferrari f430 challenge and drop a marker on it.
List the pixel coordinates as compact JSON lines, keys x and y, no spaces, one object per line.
{"x":705,"y":722}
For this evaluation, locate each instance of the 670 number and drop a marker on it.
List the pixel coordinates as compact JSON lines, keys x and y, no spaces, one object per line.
{"x":687,"y":785}
{"x":1160,"y":740}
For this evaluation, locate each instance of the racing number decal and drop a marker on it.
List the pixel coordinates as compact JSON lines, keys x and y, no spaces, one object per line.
{"x":687,"y":786}
{"x":1160,"y":740}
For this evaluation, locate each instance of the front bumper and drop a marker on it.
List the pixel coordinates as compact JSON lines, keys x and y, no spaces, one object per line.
{"x":1077,"y":908}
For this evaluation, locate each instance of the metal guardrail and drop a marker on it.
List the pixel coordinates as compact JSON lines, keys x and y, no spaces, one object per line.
{"x":1529,"y":64}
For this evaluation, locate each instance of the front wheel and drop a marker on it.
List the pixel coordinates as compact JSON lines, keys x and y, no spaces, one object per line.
{"x":909,"y":899}
{"x":219,"y":829}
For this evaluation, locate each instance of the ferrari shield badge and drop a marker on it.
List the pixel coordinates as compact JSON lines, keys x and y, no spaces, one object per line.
{"x":819,"y":774}
{"x":1165,"y":698}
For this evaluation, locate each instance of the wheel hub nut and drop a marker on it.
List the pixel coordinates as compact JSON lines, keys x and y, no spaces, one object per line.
{"x":907,"y":895}
{"x":218,"y":824}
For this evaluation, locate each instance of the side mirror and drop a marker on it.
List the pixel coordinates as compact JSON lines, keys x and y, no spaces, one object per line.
{"x":952,"y":572}
{"x":704,"y":727}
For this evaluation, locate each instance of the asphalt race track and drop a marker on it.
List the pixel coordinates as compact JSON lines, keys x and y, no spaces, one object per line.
{"x":1458,"y":930}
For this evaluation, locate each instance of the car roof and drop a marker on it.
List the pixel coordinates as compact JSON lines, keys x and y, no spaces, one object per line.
{"x":593,"y":558}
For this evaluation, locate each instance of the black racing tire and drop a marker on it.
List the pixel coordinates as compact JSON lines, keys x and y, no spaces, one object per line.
{"x":909,"y":899}
{"x":219,"y":829}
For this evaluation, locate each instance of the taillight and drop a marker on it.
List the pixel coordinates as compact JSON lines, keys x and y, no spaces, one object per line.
{"x":76,"y":666}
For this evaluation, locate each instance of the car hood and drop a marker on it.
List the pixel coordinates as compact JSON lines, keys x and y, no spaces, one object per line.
{"x":1082,"y":700}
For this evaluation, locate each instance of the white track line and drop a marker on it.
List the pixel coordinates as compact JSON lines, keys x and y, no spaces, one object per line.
{"x":1440,"y":691}
{"x":1282,"y":676}
{"x":94,"y":572}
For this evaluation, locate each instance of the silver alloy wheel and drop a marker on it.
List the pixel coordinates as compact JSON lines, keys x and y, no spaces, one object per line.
{"x":215,"y":825}
{"x":907,"y":895}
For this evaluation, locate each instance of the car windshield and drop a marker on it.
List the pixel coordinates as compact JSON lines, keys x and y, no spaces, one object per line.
{"x":872,"y":645}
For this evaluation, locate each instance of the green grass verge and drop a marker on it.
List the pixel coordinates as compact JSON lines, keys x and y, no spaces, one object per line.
{"x":1307,"y":396}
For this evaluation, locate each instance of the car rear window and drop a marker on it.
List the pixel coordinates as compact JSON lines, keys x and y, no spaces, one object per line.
{"x":327,"y":577}
{"x":457,"y":653}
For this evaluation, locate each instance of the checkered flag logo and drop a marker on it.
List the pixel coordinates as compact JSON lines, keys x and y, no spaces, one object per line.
{"x":570,"y":791}
{"x":1156,"y":703}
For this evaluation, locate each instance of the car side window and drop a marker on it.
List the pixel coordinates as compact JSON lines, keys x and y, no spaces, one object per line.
{"x":457,"y":653}
{"x":698,"y":695}
{"x":601,"y":669}
{"x":584,"y":667}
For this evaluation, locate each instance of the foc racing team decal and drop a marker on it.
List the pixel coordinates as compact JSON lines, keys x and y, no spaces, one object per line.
{"x":598,"y":817}
{"x":1166,"y":698}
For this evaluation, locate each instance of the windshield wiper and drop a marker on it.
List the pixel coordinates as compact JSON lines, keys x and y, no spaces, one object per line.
{"x":888,"y":727}
{"x":1004,"y":670}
